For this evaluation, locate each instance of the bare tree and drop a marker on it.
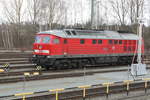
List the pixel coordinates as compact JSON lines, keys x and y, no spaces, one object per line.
{"x":102,"y":14}
{"x":34,"y":11}
{"x":136,"y":10}
{"x":6,"y":36}
{"x":132,"y":11}
{"x":13,"y":13}
{"x":34,"y":7}
{"x":13,"y":10}
{"x":53,"y":11}
{"x":120,"y":8}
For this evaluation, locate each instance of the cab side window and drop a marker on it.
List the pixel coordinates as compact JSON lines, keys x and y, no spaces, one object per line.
{"x":110,"y":41}
{"x":120,"y":41}
{"x":56,"y":41}
{"x":94,"y":41}
{"x":99,"y":41}
{"x":82,"y":41}
{"x":115,"y":42}
{"x":65,"y":41}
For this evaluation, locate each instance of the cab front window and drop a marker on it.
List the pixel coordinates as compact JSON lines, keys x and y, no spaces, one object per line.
{"x":38,"y":39}
{"x":46,"y":39}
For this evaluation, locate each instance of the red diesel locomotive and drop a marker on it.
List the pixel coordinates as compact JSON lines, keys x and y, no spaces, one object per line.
{"x":71,"y":48}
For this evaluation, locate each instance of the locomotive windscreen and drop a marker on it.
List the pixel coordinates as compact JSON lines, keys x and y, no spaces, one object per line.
{"x":38,"y":39}
{"x":43,"y":39}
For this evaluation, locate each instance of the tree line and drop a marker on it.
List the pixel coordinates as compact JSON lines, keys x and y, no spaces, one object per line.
{"x":22,"y":19}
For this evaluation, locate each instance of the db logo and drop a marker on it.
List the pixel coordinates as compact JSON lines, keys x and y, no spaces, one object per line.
{"x":105,"y":49}
{"x":113,"y":47}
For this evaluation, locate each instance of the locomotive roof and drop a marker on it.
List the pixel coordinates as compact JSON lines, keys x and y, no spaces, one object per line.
{"x":72,"y":33}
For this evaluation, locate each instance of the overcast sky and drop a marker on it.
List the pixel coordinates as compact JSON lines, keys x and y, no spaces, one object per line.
{"x":1,"y":12}
{"x":79,"y":10}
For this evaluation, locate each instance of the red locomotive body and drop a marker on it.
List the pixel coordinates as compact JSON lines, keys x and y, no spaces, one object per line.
{"x":74,"y":48}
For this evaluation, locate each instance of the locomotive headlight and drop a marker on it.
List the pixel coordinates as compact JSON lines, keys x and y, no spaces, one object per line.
{"x":45,"y":51}
{"x":36,"y":51}
{"x":48,"y":56}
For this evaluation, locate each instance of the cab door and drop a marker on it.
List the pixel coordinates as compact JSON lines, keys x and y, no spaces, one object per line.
{"x":65,"y":47}
{"x":45,"y":47}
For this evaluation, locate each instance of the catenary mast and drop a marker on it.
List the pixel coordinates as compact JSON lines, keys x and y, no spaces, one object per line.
{"x":92,"y":13}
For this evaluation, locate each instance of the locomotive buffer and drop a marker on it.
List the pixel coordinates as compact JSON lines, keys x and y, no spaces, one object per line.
{"x":139,"y":68}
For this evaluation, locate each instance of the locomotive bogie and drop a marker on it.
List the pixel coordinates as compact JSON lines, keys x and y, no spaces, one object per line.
{"x":65,"y":63}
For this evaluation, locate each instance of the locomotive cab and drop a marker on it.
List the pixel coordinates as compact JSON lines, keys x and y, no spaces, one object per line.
{"x":47,"y":44}
{"x":45,"y":48}
{"x":42,"y":44}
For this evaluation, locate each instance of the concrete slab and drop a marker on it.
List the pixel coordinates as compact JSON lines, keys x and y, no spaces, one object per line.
{"x":44,"y":85}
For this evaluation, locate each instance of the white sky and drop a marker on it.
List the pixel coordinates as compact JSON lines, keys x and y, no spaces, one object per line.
{"x":147,"y":12}
{"x":1,"y":14}
{"x":79,"y":10}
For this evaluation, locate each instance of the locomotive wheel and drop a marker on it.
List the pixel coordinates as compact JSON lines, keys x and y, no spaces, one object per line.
{"x":47,"y":67}
{"x":80,"y":64}
{"x":65,"y":65}
{"x":70,"y":64}
{"x":129,"y":60}
{"x":74,"y":64}
{"x":56,"y":65}
{"x":92,"y":61}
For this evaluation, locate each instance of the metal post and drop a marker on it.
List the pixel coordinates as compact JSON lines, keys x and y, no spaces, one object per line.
{"x":139,"y":68}
{"x":24,"y":97}
{"x":56,"y":95}
{"x":92,"y":13}
{"x":66,"y":17}
{"x":107,"y":91}
{"x":146,"y":86}
{"x":56,"y":92}
{"x":107,"y":87}
{"x":127,"y":88}
{"x":140,"y":43}
{"x":127,"y":82}
{"x":84,"y":90}
{"x":84,"y":75}
{"x":84,"y":94}
{"x":97,"y":22}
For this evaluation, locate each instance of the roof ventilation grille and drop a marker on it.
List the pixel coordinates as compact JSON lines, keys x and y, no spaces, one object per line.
{"x":68,"y":32}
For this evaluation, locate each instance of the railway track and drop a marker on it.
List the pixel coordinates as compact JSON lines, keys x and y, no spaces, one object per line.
{"x":18,"y":76}
{"x":6,"y":55}
{"x":22,"y":60}
{"x":19,"y":66}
